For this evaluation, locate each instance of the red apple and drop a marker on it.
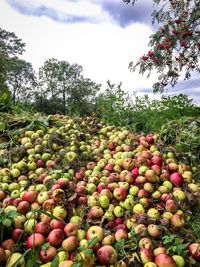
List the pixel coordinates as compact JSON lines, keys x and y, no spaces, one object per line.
{"x":29,"y":196}
{"x":48,"y":254}
{"x":17,"y":234}
{"x":55,"y":237}
{"x":194,"y":250}
{"x":42,"y":228}
{"x":163,"y":260}
{"x":71,"y":229}
{"x":57,"y":224}
{"x":107,"y":255}
{"x":176,"y":179}
{"x":23,"y":207}
{"x":35,"y":241}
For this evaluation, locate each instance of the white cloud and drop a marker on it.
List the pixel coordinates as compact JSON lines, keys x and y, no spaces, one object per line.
{"x":103,"y":50}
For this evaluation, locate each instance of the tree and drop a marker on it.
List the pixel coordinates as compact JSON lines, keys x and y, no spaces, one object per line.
{"x":175,"y":46}
{"x":64,"y":81}
{"x":10,"y":47}
{"x":82,"y":96}
{"x":20,"y":80}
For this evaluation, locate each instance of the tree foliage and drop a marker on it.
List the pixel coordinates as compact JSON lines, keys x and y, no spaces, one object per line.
{"x":175,"y":46}
{"x":20,"y":80}
{"x":64,"y":82}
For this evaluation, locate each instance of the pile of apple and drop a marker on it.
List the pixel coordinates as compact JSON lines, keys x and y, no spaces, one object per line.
{"x":83,"y":187}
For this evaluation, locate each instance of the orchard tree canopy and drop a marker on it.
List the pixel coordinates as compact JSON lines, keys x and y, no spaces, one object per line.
{"x":175,"y":47}
{"x":64,"y":81}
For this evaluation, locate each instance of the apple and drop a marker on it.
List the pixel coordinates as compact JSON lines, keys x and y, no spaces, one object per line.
{"x":42,"y":228}
{"x":179,"y":260}
{"x":154,"y":230}
{"x":2,"y":255}
{"x":29,"y":226}
{"x":95,"y":232}
{"x":171,"y":206}
{"x":177,"y":220}
{"x":145,"y":255}
{"x":29,"y":196}
{"x":107,"y":255}
{"x":150,"y":264}
{"x":138,"y":209}
{"x":140,"y":230}
{"x":16,"y":259}
{"x":57,"y":224}
{"x":194,"y":251}
{"x":35,"y":241}
{"x":71,"y":229}
{"x":48,"y":254}
{"x":55,"y":237}
{"x":66,"y":263}
{"x":59,"y":212}
{"x":145,"y":242}
{"x":159,"y":250}
{"x":70,"y":244}
{"x":176,"y":179}
{"x":96,"y":212}
{"x":118,"y":211}
{"x":121,"y":233}
{"x":104,"y":201}
{"x":163,"y":260}
{"x":153,"y":213}
{"x":108,"y":240}
{"x":17,"y":234}
{"x":23,"y":207}
{"x":8,"y":244}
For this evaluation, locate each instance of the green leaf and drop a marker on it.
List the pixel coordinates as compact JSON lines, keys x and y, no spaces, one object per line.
{"x":55,"y":261}
{"x":49,"y":215}
{"x":30,"y":263}
{"x":92,"y":242}
{"x":2,"y":126}
{"x":7,"y":222}
{"x":120,"y":244}
{"x":77,"y":264}
{"x":45,"y":247}
{"x":12,"y":214}
{"x":88,"y":252}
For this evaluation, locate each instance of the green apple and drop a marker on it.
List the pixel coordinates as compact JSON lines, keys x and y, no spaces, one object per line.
{"x":75,"y":219}
{"x":15,"y":194}
{"x":104,"y":201}
{"x":15,"y":172}
{"x":81,"y":234}
{"x":118,"y":211}
{"x":29,"y":226}
{"x":138,"y":209}
{"x":42,"y":197}
{"x":59,"y":212}
{"x":133,"y":190}
{"x":16,"y":259}
{"x":129,"y":203}
{"x":180,"y":262}
{"x":153,"y":213}
{"x":91,"y":187}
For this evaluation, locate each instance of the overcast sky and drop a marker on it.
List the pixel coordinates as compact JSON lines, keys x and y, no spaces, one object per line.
{"x":102,"y":36}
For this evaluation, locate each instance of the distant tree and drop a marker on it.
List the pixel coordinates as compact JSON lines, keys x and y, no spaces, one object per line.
{"x":20,"y":80}
{"x":175,"y":46}
{"x":10,"y":47}
{"x":64,"y":81}
{"x":82,"y":96}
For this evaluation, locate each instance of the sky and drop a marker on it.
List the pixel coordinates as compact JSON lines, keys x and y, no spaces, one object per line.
{"x":103,"y":36}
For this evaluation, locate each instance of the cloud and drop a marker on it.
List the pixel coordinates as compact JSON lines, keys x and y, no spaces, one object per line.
{"x":36,"y":9}
{"x":187,"y":87}
{"x":125,"y":14}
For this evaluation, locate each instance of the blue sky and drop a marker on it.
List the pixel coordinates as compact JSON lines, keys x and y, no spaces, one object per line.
{"x":102,"y":36}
